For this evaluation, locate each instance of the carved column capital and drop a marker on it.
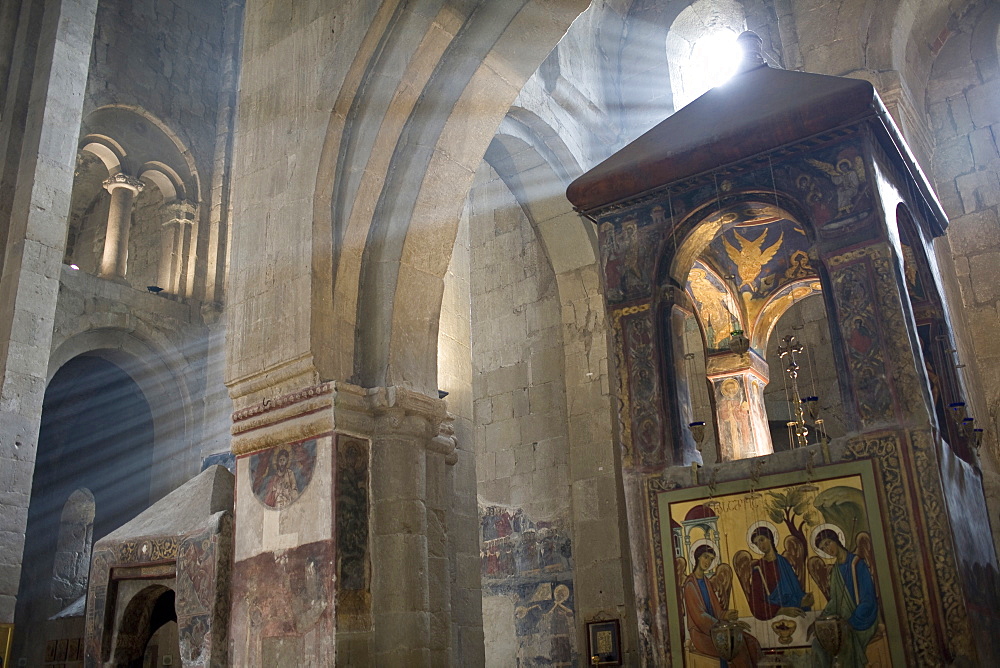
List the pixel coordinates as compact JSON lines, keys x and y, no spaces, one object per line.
{"x":400,"y":411}
{"x":370,"y":413}
{"x":180,"y":212}
{"x":123,"y":180}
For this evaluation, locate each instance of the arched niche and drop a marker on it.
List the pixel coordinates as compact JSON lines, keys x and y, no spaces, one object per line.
{"x":746,"y":269}
{"x":157,"y":368}
{"x":96,"y":433}
{"x":73,"y":547}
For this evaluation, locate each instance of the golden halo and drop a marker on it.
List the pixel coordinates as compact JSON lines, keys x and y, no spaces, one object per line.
{"x":753,"y":527}
{"x":817,"y":529}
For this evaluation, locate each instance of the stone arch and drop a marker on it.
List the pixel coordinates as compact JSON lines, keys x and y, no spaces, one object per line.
{"x":143,"y":615}
{"x":156,"y":368}
{"x":143,"y":137}
{"x":398,"y":237}
{"x":96,"y":431}
{"x":165,"y":178}
{"x":130,"y":141}
{"x":537,"y":166}
{"x":88,"y":212}
{"x":712,"y":278}
{"x":110,"y":152}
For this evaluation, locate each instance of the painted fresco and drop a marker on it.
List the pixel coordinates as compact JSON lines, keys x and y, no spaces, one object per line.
{"x":627,"y":254}
{"x":741,"y":416}
{"x":531,"y":563}
{"x":762,"y":259}
{"x":286,"y":608}
{"x":353,"y":562}
{"x":641,"y":421}
{"x":279,"y":476}
{"x":858,"y":321}
{"x":775,"y":559}
{"x":717,"y":310}
{"x":199,"y":562}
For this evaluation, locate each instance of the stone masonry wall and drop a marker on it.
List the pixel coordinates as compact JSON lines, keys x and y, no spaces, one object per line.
{"x":965,"y":119}
{"x":521,"y":436}
{"x":165,"y":58}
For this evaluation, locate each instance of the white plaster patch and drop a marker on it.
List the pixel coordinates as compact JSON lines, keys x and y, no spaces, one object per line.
{"x":500,"y":634}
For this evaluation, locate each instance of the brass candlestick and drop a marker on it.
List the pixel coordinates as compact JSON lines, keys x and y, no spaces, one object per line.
{"x":789,"y":348}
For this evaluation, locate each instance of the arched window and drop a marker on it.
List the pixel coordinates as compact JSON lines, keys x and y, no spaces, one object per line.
{"x":701,"y":47}
{"x":76,"y":537}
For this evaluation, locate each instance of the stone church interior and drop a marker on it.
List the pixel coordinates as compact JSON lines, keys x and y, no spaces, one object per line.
{"x":499,"y":333}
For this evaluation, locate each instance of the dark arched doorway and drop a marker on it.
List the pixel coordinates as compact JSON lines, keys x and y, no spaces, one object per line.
{"x":147,"y":631}
{"x":96,"y":434}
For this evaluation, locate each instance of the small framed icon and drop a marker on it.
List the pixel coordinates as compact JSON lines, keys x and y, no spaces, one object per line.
{"x":604,"y":643}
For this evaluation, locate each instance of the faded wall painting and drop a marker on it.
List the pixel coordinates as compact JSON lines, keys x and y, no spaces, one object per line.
{"x":279,"y":475}
{"x":774,"y":558}
{"x":719,"y":313}
{"x":353,"y":561}
{"x":530,"y":563}
{"x":285,"y":570}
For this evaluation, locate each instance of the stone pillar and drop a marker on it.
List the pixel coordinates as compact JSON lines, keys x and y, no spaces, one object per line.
{"x":406,"y":535}
{"x":123,"y":189}
{"x":441,"y":457}
{"x":409,"y":541}
{"x":35,"y":244}
{"x":738,"y":383}
{"x":180,"y":216}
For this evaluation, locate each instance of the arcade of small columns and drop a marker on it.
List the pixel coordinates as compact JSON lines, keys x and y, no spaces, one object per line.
{"x":175,"y":241}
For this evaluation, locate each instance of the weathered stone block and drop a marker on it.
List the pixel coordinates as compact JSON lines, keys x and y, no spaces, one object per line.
{"x":502,"y":435}
{"x":505,"y":463}
{"x":984,"y":270}
{"x":984,"y":147}
{"x":954,"y":157}
{"x":502,"y":405}
{"x":975,"y":232}
{"x":960,"y":114}
{"x":983,"y":107}
{"x":978,"y":190}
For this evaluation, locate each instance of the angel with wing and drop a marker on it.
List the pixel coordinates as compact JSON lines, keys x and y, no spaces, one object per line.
{"x":849,"y":585}
{"x":706,"y":601}
{"x":773,"y":583}
{"x":848,"y":176}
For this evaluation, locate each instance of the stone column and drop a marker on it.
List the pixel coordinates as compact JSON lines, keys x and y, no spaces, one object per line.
{"x":180,"y":216}
{"x":123,"y":189}
{"x":408,"y":540}
{"x":35,"y":244}
{"x":441,"y":457}
{"x":738,"y":382}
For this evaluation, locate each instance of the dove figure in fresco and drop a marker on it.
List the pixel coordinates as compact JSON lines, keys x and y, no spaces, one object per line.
{"x":751,"y":257}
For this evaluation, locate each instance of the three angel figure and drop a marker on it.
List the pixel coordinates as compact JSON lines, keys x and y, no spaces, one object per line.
{"x":773,"y":587}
